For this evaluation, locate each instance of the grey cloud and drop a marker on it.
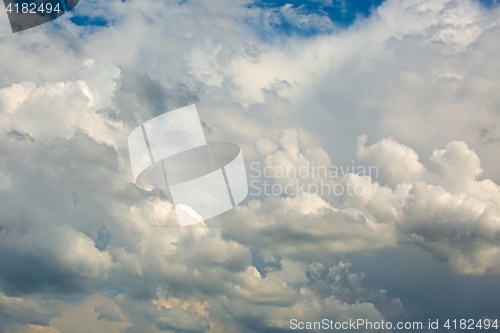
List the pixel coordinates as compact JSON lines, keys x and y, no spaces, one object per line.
{"x":450,"y":213}
{"x":306,"y":228}
{"x":19,"y":135}
{"x":24,"y":311}
{"x":145,"y":316}
{"x":107,"y":313}
{"x":39,"y":245}
{"x":72,"y":221}
{"x":180,"y":321}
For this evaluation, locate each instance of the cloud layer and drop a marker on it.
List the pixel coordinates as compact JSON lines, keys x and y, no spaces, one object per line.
{"x":410,"y":90}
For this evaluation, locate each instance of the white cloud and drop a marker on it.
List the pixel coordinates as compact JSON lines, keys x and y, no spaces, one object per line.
{"x":419,"y":74}
{"x":399,"y":162}
{"x":451,"y":213}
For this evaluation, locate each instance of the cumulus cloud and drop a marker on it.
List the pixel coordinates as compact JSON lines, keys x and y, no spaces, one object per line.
{"x":453,"y":215}
{"x":450,"y":213}
{"x":417,"y":78}
{"x":400,"y":163}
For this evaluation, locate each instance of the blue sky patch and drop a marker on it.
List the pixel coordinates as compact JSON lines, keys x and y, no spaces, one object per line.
{"x":342,"y":12}
{"x":322,"y":15}
{"x":490,"y":3}
{"x":84,"y":20}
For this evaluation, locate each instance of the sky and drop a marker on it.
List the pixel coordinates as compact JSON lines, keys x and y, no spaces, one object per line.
{"x":405,"y":88}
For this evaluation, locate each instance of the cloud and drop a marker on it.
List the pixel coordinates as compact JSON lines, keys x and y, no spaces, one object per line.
{"x":449,"y":213}
{"x":418,"y":78}
{"x":453,"y":215}
{"x":399,"y":162}
{"x":178,"y":320}
{"x":81,"y":315}
{"x":105,"y":312}
{"x":15,"y":312}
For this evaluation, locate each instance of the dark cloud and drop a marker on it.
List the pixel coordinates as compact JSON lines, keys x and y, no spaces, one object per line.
{"x":107,"y":313}
{"x":15,"y":312}
{"x":140,"y":98}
